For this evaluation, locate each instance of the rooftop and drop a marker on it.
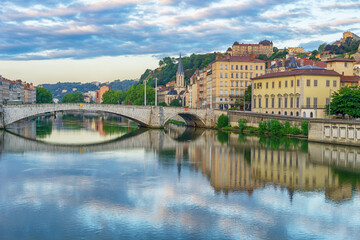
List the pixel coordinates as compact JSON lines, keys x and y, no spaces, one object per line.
{"x":300,"y":71}
{"x":340,"y":60}
{"x":239,"y":59}
{"x":355,"y":79}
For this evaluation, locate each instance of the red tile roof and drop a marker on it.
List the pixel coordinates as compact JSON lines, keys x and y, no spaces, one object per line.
{"x":297,"y":72}
{"x":340,"y":60}
{"x":310,"y":62}
{"x":350,"y":79}
{"x":240,"y":59}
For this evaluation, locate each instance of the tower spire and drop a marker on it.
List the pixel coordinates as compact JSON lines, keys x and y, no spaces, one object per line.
{"x":180,"y":74}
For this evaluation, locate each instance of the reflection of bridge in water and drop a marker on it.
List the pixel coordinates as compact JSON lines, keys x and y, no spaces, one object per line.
{"x":238,"y":165}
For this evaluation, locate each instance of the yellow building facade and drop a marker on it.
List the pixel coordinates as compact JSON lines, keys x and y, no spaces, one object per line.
{"x":230,"y":77}
{"x":345,"y":67}
{"x":264,"y":47}
{"x":301,"y":92}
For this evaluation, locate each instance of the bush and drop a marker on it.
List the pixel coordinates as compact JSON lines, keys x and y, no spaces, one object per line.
{"x":286,"y":129}
{"x":275,"y":127}
{"x":305,"y":128}
{"x":222,"y":121}
{"x":262,"y":127}
{"x":242,"y":124}
{"x":295,"y":130}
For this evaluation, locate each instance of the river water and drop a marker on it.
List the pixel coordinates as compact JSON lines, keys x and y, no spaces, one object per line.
{"x":91,"y":177}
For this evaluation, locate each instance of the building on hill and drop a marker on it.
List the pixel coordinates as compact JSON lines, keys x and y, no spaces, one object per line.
{"x":264,"y":47}
{"x":345,"y":67}
{"x":296,"y":50}
{"x":230,"y":76}
{"x":304,"y":92}
{"x":346,"y":35}
{"x":100,"y":92}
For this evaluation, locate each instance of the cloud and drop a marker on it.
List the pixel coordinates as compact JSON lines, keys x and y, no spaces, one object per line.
{"x":78,"y":29}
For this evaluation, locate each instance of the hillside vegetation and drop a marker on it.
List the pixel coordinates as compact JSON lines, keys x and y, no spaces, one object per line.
{"x":168,"y":67}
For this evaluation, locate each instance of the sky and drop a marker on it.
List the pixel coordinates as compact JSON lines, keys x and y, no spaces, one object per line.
{"x":47,"y":41}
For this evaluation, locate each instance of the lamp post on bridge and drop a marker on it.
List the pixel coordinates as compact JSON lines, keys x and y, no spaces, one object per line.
{"x":145,"y":93}
{"x":156,"y":91}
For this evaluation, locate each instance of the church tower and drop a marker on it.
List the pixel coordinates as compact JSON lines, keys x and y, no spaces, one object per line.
{"x":180,"y":83}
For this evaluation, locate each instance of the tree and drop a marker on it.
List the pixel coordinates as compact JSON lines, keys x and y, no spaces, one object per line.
{"x":346,"y":101}
{"x":43,"y":95}
{"x":135,"y":95}
{"x":275,"y":49}
{"x":73,"y":98}
{"x":263,"y":57}
{"x":322,"y":47}
{"x":328,"y":48}
{"x":313,"y":54}
{"x":114,"y":97}
{"x":175,"y":103}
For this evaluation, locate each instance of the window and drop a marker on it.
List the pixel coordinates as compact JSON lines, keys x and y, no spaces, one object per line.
{"x":237,"y":92}
{"x":250,"y":75}
{"x":221,"y":83}
{"x":225,"y":66}
{"x":232,"y":83}
{"x":308,"y":102}
{"x":298,"y":83}
{"x":259,"y":102}
{"x":241,"y":67}
{"x":237,"y":75}
{"x":273,"y":84}
{"x":259,"y":85}
{"x":256,"y":75}
{"x":232,"y":74}
{"x":285,"y":102}
{"x":237,"y":67}
{"x":221,"y":75}
{"x":327,"y":101}
{"x":232,"y":67}
{"x":279,"y":102}
{"x":242,"y":75}
{"x":221,"y":66}
{"x":272,"y":102}
{"x":315,"y":102}
{"x":221,"y":92}
{"x":315,"y":83}
{"x":237,"y":83}
{"x":246,"y":84}
{"x":334,"y":83}
{"x":292,"y":83}
{"x":328,"y":83}
{"x":241,"y":92}
{"x":311,"y":115}
{"x":261,"y":67}
{"x":226,"y":83}
{"x":256,"y":67}
{"x":246,"y":75}
{"x":279,"y":84}
{"x":267,"y":85}
{"x":241,"y":83}
{"x":285,"y":83}
{"x":251,"y":67}
{"x":226,"y":75}
{"x":346,"y":64}
{"x":246,"y":67}
{"x":266,"y":102}
{"x":291,"y":102}
{"x":254,"y":102}
{"x":308,"y":83}
{"x":232,"y":92}
{"x":226,"y":92}
{"x":297,"y":102}
{"x":254,"y":85}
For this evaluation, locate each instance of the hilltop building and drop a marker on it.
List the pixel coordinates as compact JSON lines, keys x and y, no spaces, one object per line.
{"x":264,"y":47}
{"x":301,"y":92}
{"x":345,"y":67}
{"x":346,"y":35}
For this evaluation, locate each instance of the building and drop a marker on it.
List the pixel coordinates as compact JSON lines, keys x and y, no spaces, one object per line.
{"x":230,"y":77}
{"x":100,"y":92}
{"x":301,"y":92}
{"x":295,"y":50}
{"x":346,"y":35}
{"x":197,"y":89}
{"x":345,"y":67}
{"x":4,"y":90}
{"x":30,"y":93}
{"x":16,"y":93}
{"x":264,"y":47}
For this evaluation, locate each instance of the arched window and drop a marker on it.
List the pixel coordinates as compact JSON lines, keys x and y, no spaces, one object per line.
{"x":272,"y":112}
{"x":279,"y":113}
{"x":297,"y":114}
{"x":304,"y":114}
{"x":285,"y":113}
{"x":311,"y":115}
{"x":291,"y":113}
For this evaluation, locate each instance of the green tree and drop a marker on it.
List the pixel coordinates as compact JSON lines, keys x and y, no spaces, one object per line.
{"x":114,"y":97}
{"x":43,"y":95}
{"x":313,"y":54}
{"x":321,"y":48}
{"x":135,"y":95}
{"x":263,"y":57}
{"x":275,"y":49}
{"x":175,"y":103}
{"x":223,"y":121}
{"x":162,"y":104}
{"x":346,"y":101}
{"x":248,"y":96}
{"x":73,"y":98}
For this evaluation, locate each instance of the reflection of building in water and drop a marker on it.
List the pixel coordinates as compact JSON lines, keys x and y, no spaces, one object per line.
{"x":227,"y":167}
{"x":292,"y":169}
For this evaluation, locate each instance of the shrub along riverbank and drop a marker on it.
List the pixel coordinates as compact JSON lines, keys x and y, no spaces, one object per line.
{"x":269,"y":127}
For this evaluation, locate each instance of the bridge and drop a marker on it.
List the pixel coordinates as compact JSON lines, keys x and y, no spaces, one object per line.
{"x":148,"y":116}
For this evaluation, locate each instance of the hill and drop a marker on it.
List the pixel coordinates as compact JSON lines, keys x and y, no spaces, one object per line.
{"x":59,"y":89}
{"x":166,"y":72}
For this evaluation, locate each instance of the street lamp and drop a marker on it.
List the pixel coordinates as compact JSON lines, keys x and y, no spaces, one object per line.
{"x":156,"y":91}
{"x":145,"y":92}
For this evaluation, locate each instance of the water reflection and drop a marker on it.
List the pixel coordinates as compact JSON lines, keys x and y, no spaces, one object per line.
{"x":180,"y":183}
